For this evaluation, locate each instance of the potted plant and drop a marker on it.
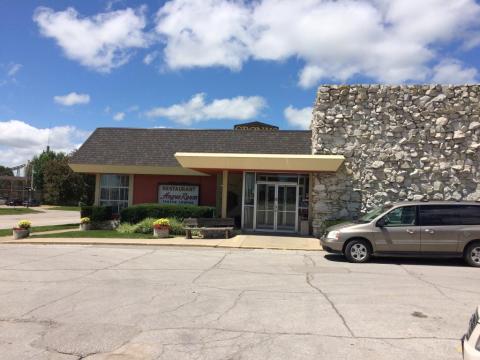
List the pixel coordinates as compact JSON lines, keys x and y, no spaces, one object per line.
{"x":85,"y":224}
{"x":22,"y":230}
{"x":161,"y":228}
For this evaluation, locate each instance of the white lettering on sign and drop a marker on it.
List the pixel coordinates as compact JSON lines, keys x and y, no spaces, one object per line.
{"x":178,"y":194}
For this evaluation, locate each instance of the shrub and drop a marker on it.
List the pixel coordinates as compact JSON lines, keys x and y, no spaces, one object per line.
{"x":137,"y":213}
{"x":176,"y":227}
{"x":126,"y":228}
{"x":145,"y":226}
{"x":97,"y":213}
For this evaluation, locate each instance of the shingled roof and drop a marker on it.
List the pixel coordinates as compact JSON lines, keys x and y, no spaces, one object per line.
{"x":156,"y":147}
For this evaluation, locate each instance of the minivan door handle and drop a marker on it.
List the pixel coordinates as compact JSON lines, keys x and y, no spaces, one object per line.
{"x":430,"y":231}
{"x":410,"y":231}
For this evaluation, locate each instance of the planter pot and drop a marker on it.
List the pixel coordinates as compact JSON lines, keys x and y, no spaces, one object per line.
{"x":20,"y":233}
{"x":85,"y":227}
{"x":161,"y":232}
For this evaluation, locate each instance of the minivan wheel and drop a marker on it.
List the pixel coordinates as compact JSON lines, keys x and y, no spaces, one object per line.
{"x":472,"y":254}
{"x":357,"y":251}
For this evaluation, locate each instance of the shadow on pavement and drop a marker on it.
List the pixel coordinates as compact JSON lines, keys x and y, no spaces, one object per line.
{"x":400,"y":260}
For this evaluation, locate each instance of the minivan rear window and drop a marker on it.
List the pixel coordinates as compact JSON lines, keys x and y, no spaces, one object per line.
{"x":438,"y":215}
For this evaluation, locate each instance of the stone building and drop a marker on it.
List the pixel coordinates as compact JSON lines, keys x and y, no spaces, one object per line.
{"x":399,"y":142}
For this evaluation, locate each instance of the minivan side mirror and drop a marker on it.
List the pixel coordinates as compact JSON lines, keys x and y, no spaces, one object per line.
{"x":381,"y":222}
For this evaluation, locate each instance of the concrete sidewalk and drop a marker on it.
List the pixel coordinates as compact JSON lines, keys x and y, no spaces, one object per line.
{"x":239,"y":241}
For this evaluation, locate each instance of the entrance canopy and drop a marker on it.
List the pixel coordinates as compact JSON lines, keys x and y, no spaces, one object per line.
{"x":262,"y":162}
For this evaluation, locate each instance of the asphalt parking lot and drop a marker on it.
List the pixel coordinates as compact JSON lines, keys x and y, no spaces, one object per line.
{"x":111,"y":302}
{"x":43,"y":218}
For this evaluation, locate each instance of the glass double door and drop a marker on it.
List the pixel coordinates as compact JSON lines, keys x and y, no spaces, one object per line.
{"x":276,"y":207}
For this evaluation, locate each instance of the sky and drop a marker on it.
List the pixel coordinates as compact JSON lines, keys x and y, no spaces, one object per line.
{"x":68,"y":67}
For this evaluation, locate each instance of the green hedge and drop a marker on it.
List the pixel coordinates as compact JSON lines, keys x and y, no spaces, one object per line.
{"x":97,"y":213}
{"x":137,"y":213}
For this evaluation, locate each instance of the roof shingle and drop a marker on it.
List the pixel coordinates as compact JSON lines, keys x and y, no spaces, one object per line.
{"x":156,"y":147}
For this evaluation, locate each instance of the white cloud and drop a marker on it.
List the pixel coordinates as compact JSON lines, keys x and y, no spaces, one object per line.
{"x":299,"y":118}
{"x":150,"y":57}
{"x":101,"y":42}
{"x":386,"y":40}
{"x":72,"y":99}
{"x":20,"y":141}
{"x":119,"y":116}
{"x":13,"y":69}
{"x":196,"y":109}
{"x":451,"y":71}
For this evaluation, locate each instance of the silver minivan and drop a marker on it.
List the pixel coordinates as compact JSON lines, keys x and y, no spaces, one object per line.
{"x":433,"y":228}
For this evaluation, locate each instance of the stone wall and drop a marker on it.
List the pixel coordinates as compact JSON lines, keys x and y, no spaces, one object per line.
{"x":400,"y":142}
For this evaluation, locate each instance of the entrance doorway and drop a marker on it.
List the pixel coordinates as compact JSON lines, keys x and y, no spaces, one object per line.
{"x":276,"y":207}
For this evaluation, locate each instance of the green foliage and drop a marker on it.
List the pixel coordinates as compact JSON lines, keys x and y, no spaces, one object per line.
{"x":97,"y":213}
{"x":145,"y":226}
{"x":57,"y":183}
{"x":126,"y":228}
{"x":137,"y":213}
{"x":176,"y":227}
{"x":4,"y":171}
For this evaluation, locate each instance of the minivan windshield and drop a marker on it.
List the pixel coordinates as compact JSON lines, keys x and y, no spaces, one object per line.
{"x":372,"y":214}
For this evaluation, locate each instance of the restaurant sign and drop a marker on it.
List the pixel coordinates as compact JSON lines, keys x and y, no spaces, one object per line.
{"x":178,"y":194}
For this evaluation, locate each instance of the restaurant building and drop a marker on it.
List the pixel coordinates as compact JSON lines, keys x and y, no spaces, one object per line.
{"x":255,"y":173}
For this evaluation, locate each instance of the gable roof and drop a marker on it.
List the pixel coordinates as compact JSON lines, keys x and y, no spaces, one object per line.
{"x":156,"y":147}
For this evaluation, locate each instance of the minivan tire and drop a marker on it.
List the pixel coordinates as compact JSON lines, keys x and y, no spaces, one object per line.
{"x":357,"y":251}
{"x":472,"y":254}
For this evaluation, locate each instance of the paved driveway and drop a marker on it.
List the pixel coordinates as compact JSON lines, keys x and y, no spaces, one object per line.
{"x":46,"y":217}
{"x":92,"y":302}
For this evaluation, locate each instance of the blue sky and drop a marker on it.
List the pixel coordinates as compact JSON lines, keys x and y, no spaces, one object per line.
{"x":67,"y":67}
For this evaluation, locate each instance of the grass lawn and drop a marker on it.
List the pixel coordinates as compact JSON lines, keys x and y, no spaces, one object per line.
{"x":95,"y":234}
{"x":17,"y":211}
{"x":65,"y":208}
{"x":37,"y":229}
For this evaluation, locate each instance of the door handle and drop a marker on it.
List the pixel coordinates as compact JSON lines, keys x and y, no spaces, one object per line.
{"x":410,"y":231}
{"x":430,"y":231}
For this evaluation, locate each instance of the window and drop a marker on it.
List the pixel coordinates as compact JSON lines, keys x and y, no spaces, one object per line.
{"x":438,"y":215}
{"x":114,"y":191}
{"x":469,"y":214}
{"x":402,"y":216}
{"x":442,"y":215}
{"x":249,"y":200}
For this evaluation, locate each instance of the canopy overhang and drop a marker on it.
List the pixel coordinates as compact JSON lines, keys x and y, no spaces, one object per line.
{"x":260,"y":162}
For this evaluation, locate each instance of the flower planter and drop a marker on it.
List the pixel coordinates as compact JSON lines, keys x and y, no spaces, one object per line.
{"x":161,"y":232}
{"x":85,"y":227}
{"x":20,"y":233}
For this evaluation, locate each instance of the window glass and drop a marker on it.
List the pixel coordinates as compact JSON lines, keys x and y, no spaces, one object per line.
{"x":469,"y":214}
{"x":402,"y":216}
{"x":437,"y":215}
{"x":114,"y":191}
{"x":372,"y":214}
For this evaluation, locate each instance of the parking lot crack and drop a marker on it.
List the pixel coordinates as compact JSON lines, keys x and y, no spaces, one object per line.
{"x":308,"y":279}
{"x":204,"y":272}
{"x":432,"y":284}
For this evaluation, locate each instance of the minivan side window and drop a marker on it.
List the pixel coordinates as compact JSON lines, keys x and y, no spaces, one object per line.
{"x":401,"y":216}
{"x":469,"y":214}
{"x":438,"y":215}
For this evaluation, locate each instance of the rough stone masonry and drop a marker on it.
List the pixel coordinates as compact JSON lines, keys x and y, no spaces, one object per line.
{"x":399,"y":142}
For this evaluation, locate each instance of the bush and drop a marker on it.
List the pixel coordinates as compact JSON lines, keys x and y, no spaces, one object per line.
{"x":176,"y":227}
{"x":137,"y":213}
{"x":145,"y":226}
{"x":97,"y":213}
{"x":126,"y":228}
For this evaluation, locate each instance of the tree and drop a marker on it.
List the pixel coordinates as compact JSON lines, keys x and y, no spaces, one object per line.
{"x":5,"y":171}
{"x":58,"y":184}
